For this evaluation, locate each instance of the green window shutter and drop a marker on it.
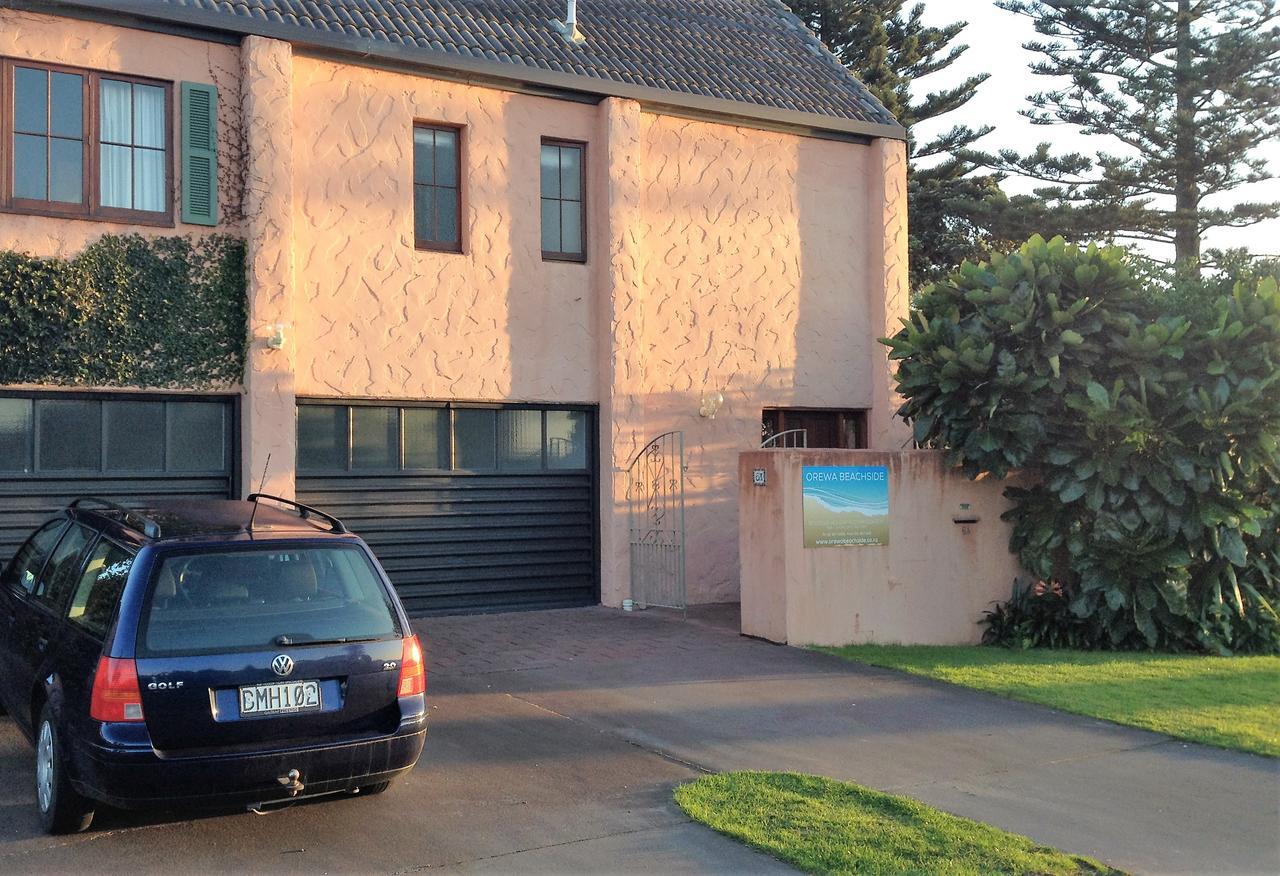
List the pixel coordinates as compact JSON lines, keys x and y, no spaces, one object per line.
{"x":199,"y":154}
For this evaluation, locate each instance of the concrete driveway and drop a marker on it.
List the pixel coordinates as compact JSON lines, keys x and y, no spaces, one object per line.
{"x":556,"y":738}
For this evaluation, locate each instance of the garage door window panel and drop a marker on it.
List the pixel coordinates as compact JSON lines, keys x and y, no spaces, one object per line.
{"x":190,"y":426}
{"x":69,"y":435}
{"x":475,"y":435}
{"x":322,"y":438}
{"x":519,"y":440}
{"x":426,"y":438}
{"x":441,"y":438}
{"x":135,"y":436}
{"x":375,"y":438}
{"x":568,"y":440}
{"x":15,"y":435}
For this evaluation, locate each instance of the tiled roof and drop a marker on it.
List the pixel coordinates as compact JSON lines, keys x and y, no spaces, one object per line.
{"x":747,"y":57}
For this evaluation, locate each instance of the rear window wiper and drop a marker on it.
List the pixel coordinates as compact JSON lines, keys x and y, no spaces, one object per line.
{"x":339,"y":640}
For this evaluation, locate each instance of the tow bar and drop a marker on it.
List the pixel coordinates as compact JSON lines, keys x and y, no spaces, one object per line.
{"x":292,"y":782}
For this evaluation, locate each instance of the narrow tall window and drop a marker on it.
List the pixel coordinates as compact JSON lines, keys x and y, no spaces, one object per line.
{"x":131,"y":153}
{"x":48,"y":136}
{"x":437,"y":194}
{"x":564,"y":236}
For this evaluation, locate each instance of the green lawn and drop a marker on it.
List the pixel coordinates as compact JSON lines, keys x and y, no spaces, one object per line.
{"x":824,"y":826}
{"x":1232,"y":702}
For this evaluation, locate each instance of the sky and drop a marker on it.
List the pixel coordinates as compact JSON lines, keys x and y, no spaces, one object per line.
{"x":995,"y":40}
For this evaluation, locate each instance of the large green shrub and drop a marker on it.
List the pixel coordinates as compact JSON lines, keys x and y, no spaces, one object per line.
{"x":1153,"y":434}
{"x":127,"y":311}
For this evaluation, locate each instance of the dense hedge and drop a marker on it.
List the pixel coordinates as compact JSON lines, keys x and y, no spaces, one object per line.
{"x":1155,"y":435}
{"x":127,"y":311}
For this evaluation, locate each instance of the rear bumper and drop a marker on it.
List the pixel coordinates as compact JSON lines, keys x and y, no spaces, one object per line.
{"x":141,"y":779}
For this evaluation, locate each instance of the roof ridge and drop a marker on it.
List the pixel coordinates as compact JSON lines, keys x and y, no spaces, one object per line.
{"x":748,"y":59}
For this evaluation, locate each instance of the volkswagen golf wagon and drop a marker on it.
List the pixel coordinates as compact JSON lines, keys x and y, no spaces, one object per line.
{"x":205,"y":653}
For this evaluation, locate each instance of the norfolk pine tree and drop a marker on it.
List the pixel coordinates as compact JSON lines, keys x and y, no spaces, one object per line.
{"x":1185,"y":88}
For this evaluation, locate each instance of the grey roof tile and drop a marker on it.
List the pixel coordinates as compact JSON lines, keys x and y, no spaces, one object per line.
{"x":749,"y":52}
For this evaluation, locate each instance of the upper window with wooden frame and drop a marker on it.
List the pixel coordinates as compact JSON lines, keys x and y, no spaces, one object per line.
{"x":437,"y":188}
{"x":85,"y":144}
{"x":564,"y":230}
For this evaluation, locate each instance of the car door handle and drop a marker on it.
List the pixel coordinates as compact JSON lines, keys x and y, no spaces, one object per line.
{"x":42,"y":643}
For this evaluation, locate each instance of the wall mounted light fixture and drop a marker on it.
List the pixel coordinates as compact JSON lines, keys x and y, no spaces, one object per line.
{"x":711,"y":403}
{"x":275,"y":340}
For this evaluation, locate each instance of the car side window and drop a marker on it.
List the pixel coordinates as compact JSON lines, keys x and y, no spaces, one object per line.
{"x":63,"y":568}
{"x":101,"y":584}
{"x":24,"y":569}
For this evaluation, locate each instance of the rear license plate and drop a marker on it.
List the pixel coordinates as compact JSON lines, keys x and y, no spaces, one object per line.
{"x":280,"y":698}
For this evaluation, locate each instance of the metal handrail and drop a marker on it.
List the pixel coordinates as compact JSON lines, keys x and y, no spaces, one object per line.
{"x":771,"y":441}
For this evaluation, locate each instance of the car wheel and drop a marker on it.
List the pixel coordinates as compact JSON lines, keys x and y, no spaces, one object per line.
{"x":62,"y":810}
{"x":375,"y":788}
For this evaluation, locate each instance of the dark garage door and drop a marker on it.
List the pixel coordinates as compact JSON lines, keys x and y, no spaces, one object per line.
{"x":55,"y":447}
{"x":469,"y":508}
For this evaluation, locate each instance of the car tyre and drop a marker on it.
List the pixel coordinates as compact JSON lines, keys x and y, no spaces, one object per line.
{"x":375,"y":788}
{"x":62,"y":809}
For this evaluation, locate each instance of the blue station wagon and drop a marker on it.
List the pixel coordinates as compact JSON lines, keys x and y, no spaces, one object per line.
{"x":199,"y":653}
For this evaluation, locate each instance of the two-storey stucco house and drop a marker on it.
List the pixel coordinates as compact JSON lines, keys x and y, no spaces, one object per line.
{"x":488,"y":261}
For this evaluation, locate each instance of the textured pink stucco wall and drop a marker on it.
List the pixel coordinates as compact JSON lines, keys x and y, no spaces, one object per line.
{"x":756,"y":286}
{"x":375,"y":317}
{"x":28,"y":35}
{"x":268,"y":420}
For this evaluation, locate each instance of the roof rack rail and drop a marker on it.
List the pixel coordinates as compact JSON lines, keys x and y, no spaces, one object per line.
{"x":306,"y":512}
{"x":128,"y":516}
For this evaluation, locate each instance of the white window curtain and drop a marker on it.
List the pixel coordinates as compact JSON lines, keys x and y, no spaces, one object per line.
{"x":148,"y":137}
{"x":132,"y":153}
{"x":116,"y":133}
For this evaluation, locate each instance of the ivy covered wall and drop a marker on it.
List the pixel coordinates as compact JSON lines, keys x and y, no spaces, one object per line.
{"x":162,"y":312}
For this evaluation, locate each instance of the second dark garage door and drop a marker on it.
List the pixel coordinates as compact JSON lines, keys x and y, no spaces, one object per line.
{"x":469,"y":508}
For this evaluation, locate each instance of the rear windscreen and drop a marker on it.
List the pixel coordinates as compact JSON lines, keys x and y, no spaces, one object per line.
{"x":261,"y":598}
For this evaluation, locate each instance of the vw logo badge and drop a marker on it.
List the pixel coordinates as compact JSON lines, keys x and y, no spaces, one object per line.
{"x":283,"y":665}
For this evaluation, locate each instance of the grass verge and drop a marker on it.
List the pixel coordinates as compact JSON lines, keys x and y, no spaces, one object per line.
{"x":1230,"y":702}
{"x":824,"y":826}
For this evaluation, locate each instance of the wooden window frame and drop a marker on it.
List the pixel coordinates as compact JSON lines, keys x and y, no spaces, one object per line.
{"x":550,"y":256}
{"x":435,"y":245}
{"x":91,"y":207}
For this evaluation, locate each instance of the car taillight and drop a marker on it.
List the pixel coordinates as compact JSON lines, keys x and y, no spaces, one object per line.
{"x":116,"y":695}
{"x":413,"y":675}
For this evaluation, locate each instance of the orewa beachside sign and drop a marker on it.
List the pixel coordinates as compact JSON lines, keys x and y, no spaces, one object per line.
{"x":846,"y":505}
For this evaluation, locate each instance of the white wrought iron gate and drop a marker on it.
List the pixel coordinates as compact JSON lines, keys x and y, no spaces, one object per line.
{"x":655,"y":493}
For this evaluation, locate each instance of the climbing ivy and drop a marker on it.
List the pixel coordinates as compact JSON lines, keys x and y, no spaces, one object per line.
{"x":164,"y":312}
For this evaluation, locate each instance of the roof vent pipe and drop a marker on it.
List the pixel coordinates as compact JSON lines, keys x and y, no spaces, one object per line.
{"x":568,"y":29}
